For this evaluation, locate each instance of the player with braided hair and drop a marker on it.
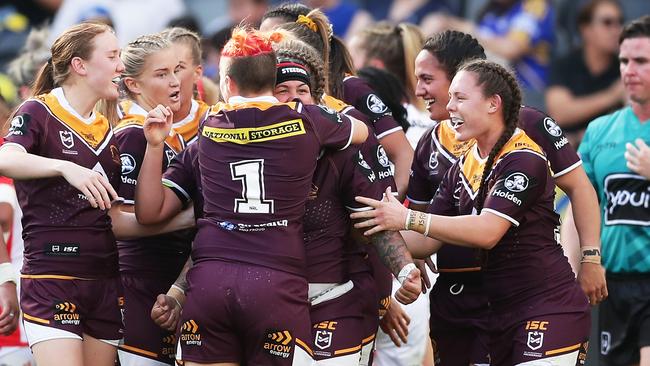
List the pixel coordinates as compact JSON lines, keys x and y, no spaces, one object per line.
{"x":342,"y":291}
{"x":458,"y":306}
{"x":534,"y":314}
{"x":314,"y":29}
{"x":283,"y":13}
{"x":250,"y":239}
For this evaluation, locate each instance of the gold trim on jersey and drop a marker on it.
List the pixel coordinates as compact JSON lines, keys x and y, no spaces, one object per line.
{"x":336,"y":104}
{"x":221,"y":106}
{"x":472,"y":165}
{"x":444,"y":136}
{"x":174,"y":140}
{"x":190,"y":130}
{"x":93,"y":134}
{"x":251,"y":135}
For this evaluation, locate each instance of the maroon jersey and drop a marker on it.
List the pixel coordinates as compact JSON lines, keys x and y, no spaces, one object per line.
{"x":157,"y":254}
{"x":435,"y":153}
{"x":63,"y":234}
{"x":549,"y":136}
{"x":438,"y":149}
{"x":358,"y":93}
{"x":528,"y":262}
{"x":339,"y":177}
{"x":257,"y":158}
{"x":375,"y":166}
{"x":183,"y":178}
{"x":188,"y":127}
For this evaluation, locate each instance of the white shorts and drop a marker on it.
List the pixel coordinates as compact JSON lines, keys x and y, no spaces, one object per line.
{"x":413,"y":352}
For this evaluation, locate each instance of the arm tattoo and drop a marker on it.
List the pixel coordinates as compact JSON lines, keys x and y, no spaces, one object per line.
{"x":392,"y":250}
{"x":181,"y":281}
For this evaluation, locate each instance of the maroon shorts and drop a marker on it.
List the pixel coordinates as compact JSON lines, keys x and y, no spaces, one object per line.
{"x":77,"y":306}
{"x":368,"y":298}
{"x":142,"y":336}
{"x":247,"y":314}
{"x":458,"y":322}
{"x":338,"y":325}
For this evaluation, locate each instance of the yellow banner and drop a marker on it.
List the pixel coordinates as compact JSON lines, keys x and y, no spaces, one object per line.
{"x":244,"y":136}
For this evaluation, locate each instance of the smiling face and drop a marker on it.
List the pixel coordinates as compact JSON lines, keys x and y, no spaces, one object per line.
{"x":104,"y":66}
{"x":158,"y":84}
{"x":468,"y":108}
{"x":432,"y":85}
{"x":291,"y":89}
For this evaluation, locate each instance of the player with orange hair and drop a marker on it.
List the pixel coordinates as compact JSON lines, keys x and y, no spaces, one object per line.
{"x":249,"y":253}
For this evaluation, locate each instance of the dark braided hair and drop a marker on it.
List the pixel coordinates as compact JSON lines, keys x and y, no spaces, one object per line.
{"x":494,"y":79}
{"x":318,"y":38}
{"x":336,"y":58}
{"x":288,"y":12}
{"x":452,"y":49}
{"x":304,"y":54}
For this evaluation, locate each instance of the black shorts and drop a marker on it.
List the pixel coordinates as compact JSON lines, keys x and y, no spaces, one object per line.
{"x":624,"y":319}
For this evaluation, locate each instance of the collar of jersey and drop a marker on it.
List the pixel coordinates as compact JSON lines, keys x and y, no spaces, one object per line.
{"x":63,"y":101}
{"x":238,"y":99}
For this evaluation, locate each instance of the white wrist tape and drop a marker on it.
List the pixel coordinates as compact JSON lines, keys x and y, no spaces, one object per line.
{"x":178,"y":289}
{"x":404,"y":272}
{"x":7,"y":273}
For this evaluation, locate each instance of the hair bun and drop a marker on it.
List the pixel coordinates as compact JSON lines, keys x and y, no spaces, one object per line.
{"x":248,"y":43}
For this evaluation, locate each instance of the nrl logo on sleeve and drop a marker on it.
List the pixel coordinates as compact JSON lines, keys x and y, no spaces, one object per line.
{"x":19,"y":125}
{"x":375,"y":104}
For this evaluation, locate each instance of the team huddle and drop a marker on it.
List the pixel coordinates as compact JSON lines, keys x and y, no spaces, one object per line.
{"x":266,"y":229}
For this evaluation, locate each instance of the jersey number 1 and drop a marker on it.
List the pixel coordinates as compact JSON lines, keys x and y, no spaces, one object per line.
{"x":251,"y":173}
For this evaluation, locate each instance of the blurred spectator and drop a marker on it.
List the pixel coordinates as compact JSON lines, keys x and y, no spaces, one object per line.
{"x":520,"y":32}
{"x":394,"y":48}
{"x":588,"y":79}
{"x":346,"y":18}
{"x":14,"y":28}
{"x":23,"y":69}
{"x":37,"y":11}
{"x":186,"y":21}
{"x":248,"y":12}
{"x":413,"y":11}
{"x":131,"y":19}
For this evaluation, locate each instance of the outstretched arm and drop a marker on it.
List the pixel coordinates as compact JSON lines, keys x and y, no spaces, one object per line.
{"x":17,"y":164}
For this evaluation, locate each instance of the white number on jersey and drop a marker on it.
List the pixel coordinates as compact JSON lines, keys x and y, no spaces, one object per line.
{"x":251,"y":173}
